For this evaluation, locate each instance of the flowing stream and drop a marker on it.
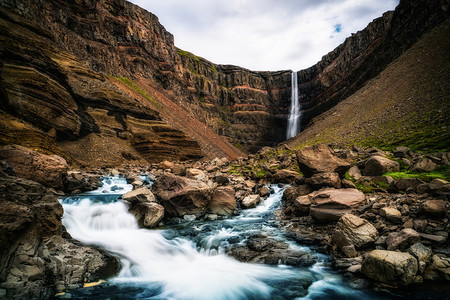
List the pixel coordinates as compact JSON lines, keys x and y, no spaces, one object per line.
{"x":187,"y":261}
{"x":295,"y":114}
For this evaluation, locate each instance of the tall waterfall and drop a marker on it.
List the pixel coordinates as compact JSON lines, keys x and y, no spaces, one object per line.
{"x":295,"y":115}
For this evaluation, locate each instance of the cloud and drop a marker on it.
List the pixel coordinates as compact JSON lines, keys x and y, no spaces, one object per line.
{"x":264,"y":34}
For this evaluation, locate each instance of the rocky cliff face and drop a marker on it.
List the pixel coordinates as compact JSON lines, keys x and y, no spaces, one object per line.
{"x":108,"y":67}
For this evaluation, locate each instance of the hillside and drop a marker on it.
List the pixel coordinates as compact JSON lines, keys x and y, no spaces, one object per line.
{"x":406,"y":104}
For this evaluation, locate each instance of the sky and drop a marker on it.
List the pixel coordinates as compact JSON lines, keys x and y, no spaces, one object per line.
{"x":264,"y":35}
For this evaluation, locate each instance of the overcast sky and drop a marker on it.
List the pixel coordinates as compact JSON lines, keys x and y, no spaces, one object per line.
{"x":264,"y":34}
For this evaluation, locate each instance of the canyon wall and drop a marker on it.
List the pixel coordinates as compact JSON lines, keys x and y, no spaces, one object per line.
{"x":127,"y":68}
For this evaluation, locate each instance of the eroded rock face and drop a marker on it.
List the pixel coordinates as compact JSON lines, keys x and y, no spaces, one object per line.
{"x":37,"y":259}
{"x":393,"y":268}
{"x":48,"y":170}
{"x":182,"y":196}
{"x":320,"y":159}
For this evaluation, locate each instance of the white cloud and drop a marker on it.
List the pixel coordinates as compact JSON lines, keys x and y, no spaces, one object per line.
{"x":264,"y":34}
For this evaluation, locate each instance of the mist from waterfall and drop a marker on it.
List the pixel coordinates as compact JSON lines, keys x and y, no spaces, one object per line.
{"x":295,"y":115}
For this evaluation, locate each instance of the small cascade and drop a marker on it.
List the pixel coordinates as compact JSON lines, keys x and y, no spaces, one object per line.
{"x":295,"y":114}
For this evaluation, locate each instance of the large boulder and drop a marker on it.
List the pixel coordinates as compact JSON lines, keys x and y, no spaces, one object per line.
{"x":320,"y":159}
{"x":378,"y":165}
{"x":251,"y":201}
{"x":393,"y":268}
{"x":148,"y":214}
{"x":48,"y":170}
{"x":402,"y":240}
{"x":351,"y":229}
{"x":329,"y":205}
{"x":181,"y":196}
{"x":223,"y":202}
{"x":140,"y":195}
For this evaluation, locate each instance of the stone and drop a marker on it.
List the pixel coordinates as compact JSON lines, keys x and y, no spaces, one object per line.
{"x":329,"y":205}
{"x":389,"y":267}
{"x":196,"y":174}
{"x":355,"y":172}
{"x":179,"y":170}
{"x":48,"y":170}
{"x":403,"y":184}
{"x":439,"y":186}
{"x":439,"y":269}
{"x":420,"y":225}
{"x":348,"y":184}
{"x":139,"y":195}
{"x":431,"y":238}
{"x":287,"y":176}
{"x":251,"y":201}
{"x":165,"y":165}
{"x":435,"y":208}
{"x":391,"y":213}
{"x":421,"y":252}
{"x":403,"y":152}
{"x":353,"y":230}
{"x":221,"y":179}
{"x":189,"y":218}
{"x":349,"y":251}
{"x":181,"y":195}
{"x":329,"y":179}
{"x":378,"y":165}
{"x":320,"y":159}
{"x":264,"y":191}
{"x":402,"y":240}
{"x":148,"y":214}
{"x":223,"y":202}
{"x":423,"y":165}
{"x":355,"y":269}
{"x":303,"y":204}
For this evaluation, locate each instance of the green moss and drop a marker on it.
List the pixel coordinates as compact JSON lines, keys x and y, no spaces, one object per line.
{"x":441,"y":173}
{"x":136,"y":88}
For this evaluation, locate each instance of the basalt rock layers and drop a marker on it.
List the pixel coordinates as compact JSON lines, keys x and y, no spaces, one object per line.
{"x":109,"y":68}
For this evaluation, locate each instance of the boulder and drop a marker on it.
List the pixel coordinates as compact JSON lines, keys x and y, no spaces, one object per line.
{"x":181,"y":196}
{"x":139,"y":195}
{"x":251,"y":201}
{"x":148,"y":214}
{"x":264,"y":191}
{"x":389,"y":267}
{"x":391,"y":213}
{"x":319,"y":159}
{"x":351,"y":229}
{"x":287,"y":176}
{"x":435,"y":208}
{"x":403,"y":152}
{"x":378,"y":165}
{"x":48,"y":170}
{"x":320,"y":180}
{"x":329,"y":205}
{"x":303,"y":204}
{"x":404,"y":184}
{"x":402,"y":240}
{"x":196,"y":174}
{"x":423,"y":165}
{"x":440,"y":187}
{"x":223,"y":202}
{"x":421,"y":252}
{"x":166,"y":165}
{"x":355,"y":172}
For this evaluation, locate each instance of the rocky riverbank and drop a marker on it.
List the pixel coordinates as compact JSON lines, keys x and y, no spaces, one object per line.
{"x":379,"y":229}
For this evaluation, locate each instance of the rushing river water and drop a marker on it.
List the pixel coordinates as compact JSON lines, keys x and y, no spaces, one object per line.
{"x":187,"y":261}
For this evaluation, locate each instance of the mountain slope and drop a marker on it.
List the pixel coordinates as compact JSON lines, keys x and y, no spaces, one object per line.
{"x":406,"y":104}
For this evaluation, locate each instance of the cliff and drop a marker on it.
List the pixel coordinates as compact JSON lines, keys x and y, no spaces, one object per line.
{"x":106,"y":75}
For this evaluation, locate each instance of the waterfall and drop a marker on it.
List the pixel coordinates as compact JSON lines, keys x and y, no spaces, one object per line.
{"x":295,"y":115}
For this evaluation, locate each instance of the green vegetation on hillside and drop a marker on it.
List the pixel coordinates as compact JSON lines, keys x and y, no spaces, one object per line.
{"x":136,"y":88}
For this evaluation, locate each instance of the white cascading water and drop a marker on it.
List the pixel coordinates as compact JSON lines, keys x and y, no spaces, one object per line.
{"x":295,"y":115}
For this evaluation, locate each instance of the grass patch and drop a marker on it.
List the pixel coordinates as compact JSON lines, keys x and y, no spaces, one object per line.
{"x":441,"y":173}
{"x":136,"y":88}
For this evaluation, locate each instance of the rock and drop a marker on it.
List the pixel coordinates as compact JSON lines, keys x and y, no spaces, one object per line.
{"x":319,"y":159}
{"x":329,"y":205}
{"x":391,"y":213}
{"x":221,"y":179}
{"x":196,"y":174}
{"x":264,"y":191}
{"x":433,"y":238}
{"x":402,"y":240}
{"x":355,"y":172}
{"x":348,"y":184}
{"x":139,"y":195}
{"x":439,"y":269}
{"x":223,"y":202}
{"x":251,"y":201}
{"x":189,"y":218}
{"x":421,"y":252}
{"x":403,"y":184}
{"x":303,"y":204}
{"x":423,"y":165}
{"x":352,"y":230}
{"x":166,"y":165}
{"x":355,"y":269}
{"x":179,"y":170}
{"x":148,"y":214}
{"x":435,"y":208}
{"x":320,"y":180}
{"x":349,"y":251}
{"x":420,"y":225}
{"x":181,"y":196}
{"x":287,"y":176}
{"x":403,"y":152}
{"x":378,"y":165}
{"x":48,"y":170}
{"x":389,"y":267}
{"x":373,"y":151}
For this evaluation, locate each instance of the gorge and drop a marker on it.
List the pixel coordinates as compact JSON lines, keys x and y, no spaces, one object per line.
{"x":130,"y":168}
